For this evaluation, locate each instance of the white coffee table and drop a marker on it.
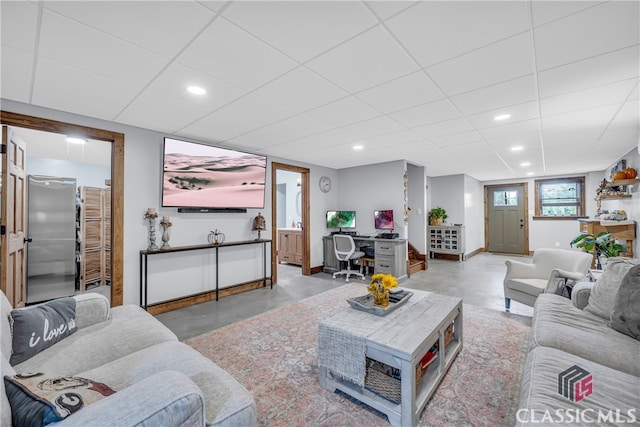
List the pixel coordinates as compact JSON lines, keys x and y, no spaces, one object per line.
{"x":399,"y":340}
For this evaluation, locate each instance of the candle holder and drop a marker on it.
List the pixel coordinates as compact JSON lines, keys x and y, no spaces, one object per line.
{"x":166,"y":226}
{"x":151,"y":216}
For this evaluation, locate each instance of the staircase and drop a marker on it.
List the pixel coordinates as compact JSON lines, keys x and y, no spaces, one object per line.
{"x":417,"y":261}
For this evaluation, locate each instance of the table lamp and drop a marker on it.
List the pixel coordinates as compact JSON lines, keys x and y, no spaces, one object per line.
{"x":259,"y":224}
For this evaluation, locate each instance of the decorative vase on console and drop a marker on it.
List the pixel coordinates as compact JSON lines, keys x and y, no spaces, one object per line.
{"x":166,"y":225}
{"x":151,"y":216}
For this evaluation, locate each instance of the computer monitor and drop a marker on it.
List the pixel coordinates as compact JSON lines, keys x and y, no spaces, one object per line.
{"x":383,"y":219}
{"x":341,"y":219}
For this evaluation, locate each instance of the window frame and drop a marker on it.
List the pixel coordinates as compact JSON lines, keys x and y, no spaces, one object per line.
{"x":580,"y":180}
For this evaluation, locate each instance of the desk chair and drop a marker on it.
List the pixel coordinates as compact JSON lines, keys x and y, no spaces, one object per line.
{"x":345,"y":249}
{"x":550,"y":271}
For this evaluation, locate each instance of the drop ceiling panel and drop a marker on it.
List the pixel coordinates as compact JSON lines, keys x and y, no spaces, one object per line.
{"x":514,"y":133}
{"x":81,"y":90}
{"x":547,"y":11}
{"x":458,"y":139}
{"x":16,"y":74}
{"x":367,"y":60}
{"x":176,"y":114}
{"x":304,"y":29}
{"x":471,"y":71}
{"x":311,"y":143}
{"x":374,"y":127}
{"x":448,"y":127}
{"x":162,"y":34}
{"x":432,"y":112}
{"x":344,"y":111}
{"x":19,"y":24}
{"x":404,"y":92}
{"x":391,"y":140}
{"x":519,"y":113}
{"x":596,"y":71}
{"x":614,"y":93}
{"x":283,"y":131}
{"x":504,"y":94}
{"x":301,"y":90}
{"x":77,"y":45}
{"x":580,"y":128}
{"x":387,"y":8}
{"x":174,"y":80}
{"x":230,"y":54}
{"x":592,"y":32}
{"x":244,"y":115}
{"x":465,"y":26}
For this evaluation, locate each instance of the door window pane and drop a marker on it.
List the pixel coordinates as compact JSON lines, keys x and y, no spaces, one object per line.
{"x":505,"y":198}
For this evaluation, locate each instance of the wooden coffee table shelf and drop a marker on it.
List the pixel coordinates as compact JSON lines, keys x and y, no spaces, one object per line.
{"x":401,"y":340}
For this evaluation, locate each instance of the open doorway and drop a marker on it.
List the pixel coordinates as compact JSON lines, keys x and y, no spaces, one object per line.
{"x":116,"y":140}
{"x":290,"y":217}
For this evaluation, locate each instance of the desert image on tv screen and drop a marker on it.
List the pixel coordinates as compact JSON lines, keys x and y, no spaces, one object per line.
{"x":198,"y":175}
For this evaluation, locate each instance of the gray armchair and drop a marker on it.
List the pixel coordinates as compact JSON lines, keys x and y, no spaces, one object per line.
{"x":550,"y":271}
{"x":345,"y":249}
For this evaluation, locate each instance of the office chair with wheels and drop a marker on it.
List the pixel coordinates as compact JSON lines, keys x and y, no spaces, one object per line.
{"x":345,"y":249}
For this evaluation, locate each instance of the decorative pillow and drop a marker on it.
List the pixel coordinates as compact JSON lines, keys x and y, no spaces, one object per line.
{"x":604,"y":292}
{"x":626,"y":309}
{"x":35,"y":328}
{"x":38,"y":400}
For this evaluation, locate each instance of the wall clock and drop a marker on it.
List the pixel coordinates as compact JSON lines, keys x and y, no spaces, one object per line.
{"x":325,"y":184}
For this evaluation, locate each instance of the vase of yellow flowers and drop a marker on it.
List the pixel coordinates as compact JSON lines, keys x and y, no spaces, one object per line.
{"x":379,"y":288}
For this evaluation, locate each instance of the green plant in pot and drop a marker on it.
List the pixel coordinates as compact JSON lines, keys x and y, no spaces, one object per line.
{"x":437,"y":216}
{"x":604,"y":244}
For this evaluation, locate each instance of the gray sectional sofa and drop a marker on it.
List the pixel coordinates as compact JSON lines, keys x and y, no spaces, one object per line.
{"x":579,"y":369}
{"x":157,"y":379}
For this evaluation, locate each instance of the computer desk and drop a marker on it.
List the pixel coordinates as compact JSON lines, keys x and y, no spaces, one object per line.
{"x":390,"y":255}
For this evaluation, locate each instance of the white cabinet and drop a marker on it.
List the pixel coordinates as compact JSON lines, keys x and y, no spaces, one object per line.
{"x":446,"y":239}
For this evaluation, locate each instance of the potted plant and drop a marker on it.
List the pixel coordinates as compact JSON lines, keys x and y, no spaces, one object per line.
{"x":604,"y":244}
{"x":437,"y":216}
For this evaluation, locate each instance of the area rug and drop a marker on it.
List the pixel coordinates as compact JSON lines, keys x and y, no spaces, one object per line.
{"x":274,"y":356}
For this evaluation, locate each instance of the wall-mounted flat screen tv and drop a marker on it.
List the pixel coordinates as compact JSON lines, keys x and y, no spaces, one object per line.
{"x":383,"y":219}
{"x":203,"y":176}
{"x":341,"y":219}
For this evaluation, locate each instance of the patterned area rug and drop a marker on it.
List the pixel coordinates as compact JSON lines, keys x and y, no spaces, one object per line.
{"x":274,"y":356}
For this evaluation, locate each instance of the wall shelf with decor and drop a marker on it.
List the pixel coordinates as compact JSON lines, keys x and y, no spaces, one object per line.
{"x":621,"y":182}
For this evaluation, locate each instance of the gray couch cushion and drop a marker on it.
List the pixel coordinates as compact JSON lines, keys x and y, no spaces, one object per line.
{"x":130,"y":329}
{"x":558,"y":324}
{"x":611,"y":390}
{"x":604,"y":292}
{"x":626,"y":309}
{"x":226,"y":400}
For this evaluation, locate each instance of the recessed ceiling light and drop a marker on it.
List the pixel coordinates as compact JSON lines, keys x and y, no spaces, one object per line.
{"x":76,"y":140}
{"x":196,"y":90}
{"x":358,"y":147}
{"x":530,"y":173}
{"x":525,"y":164}
{"x":501,"y":117}
{"x":517,"y":148}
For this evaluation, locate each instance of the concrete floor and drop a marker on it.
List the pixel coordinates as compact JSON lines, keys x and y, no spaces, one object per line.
{"x":478,"y":281}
